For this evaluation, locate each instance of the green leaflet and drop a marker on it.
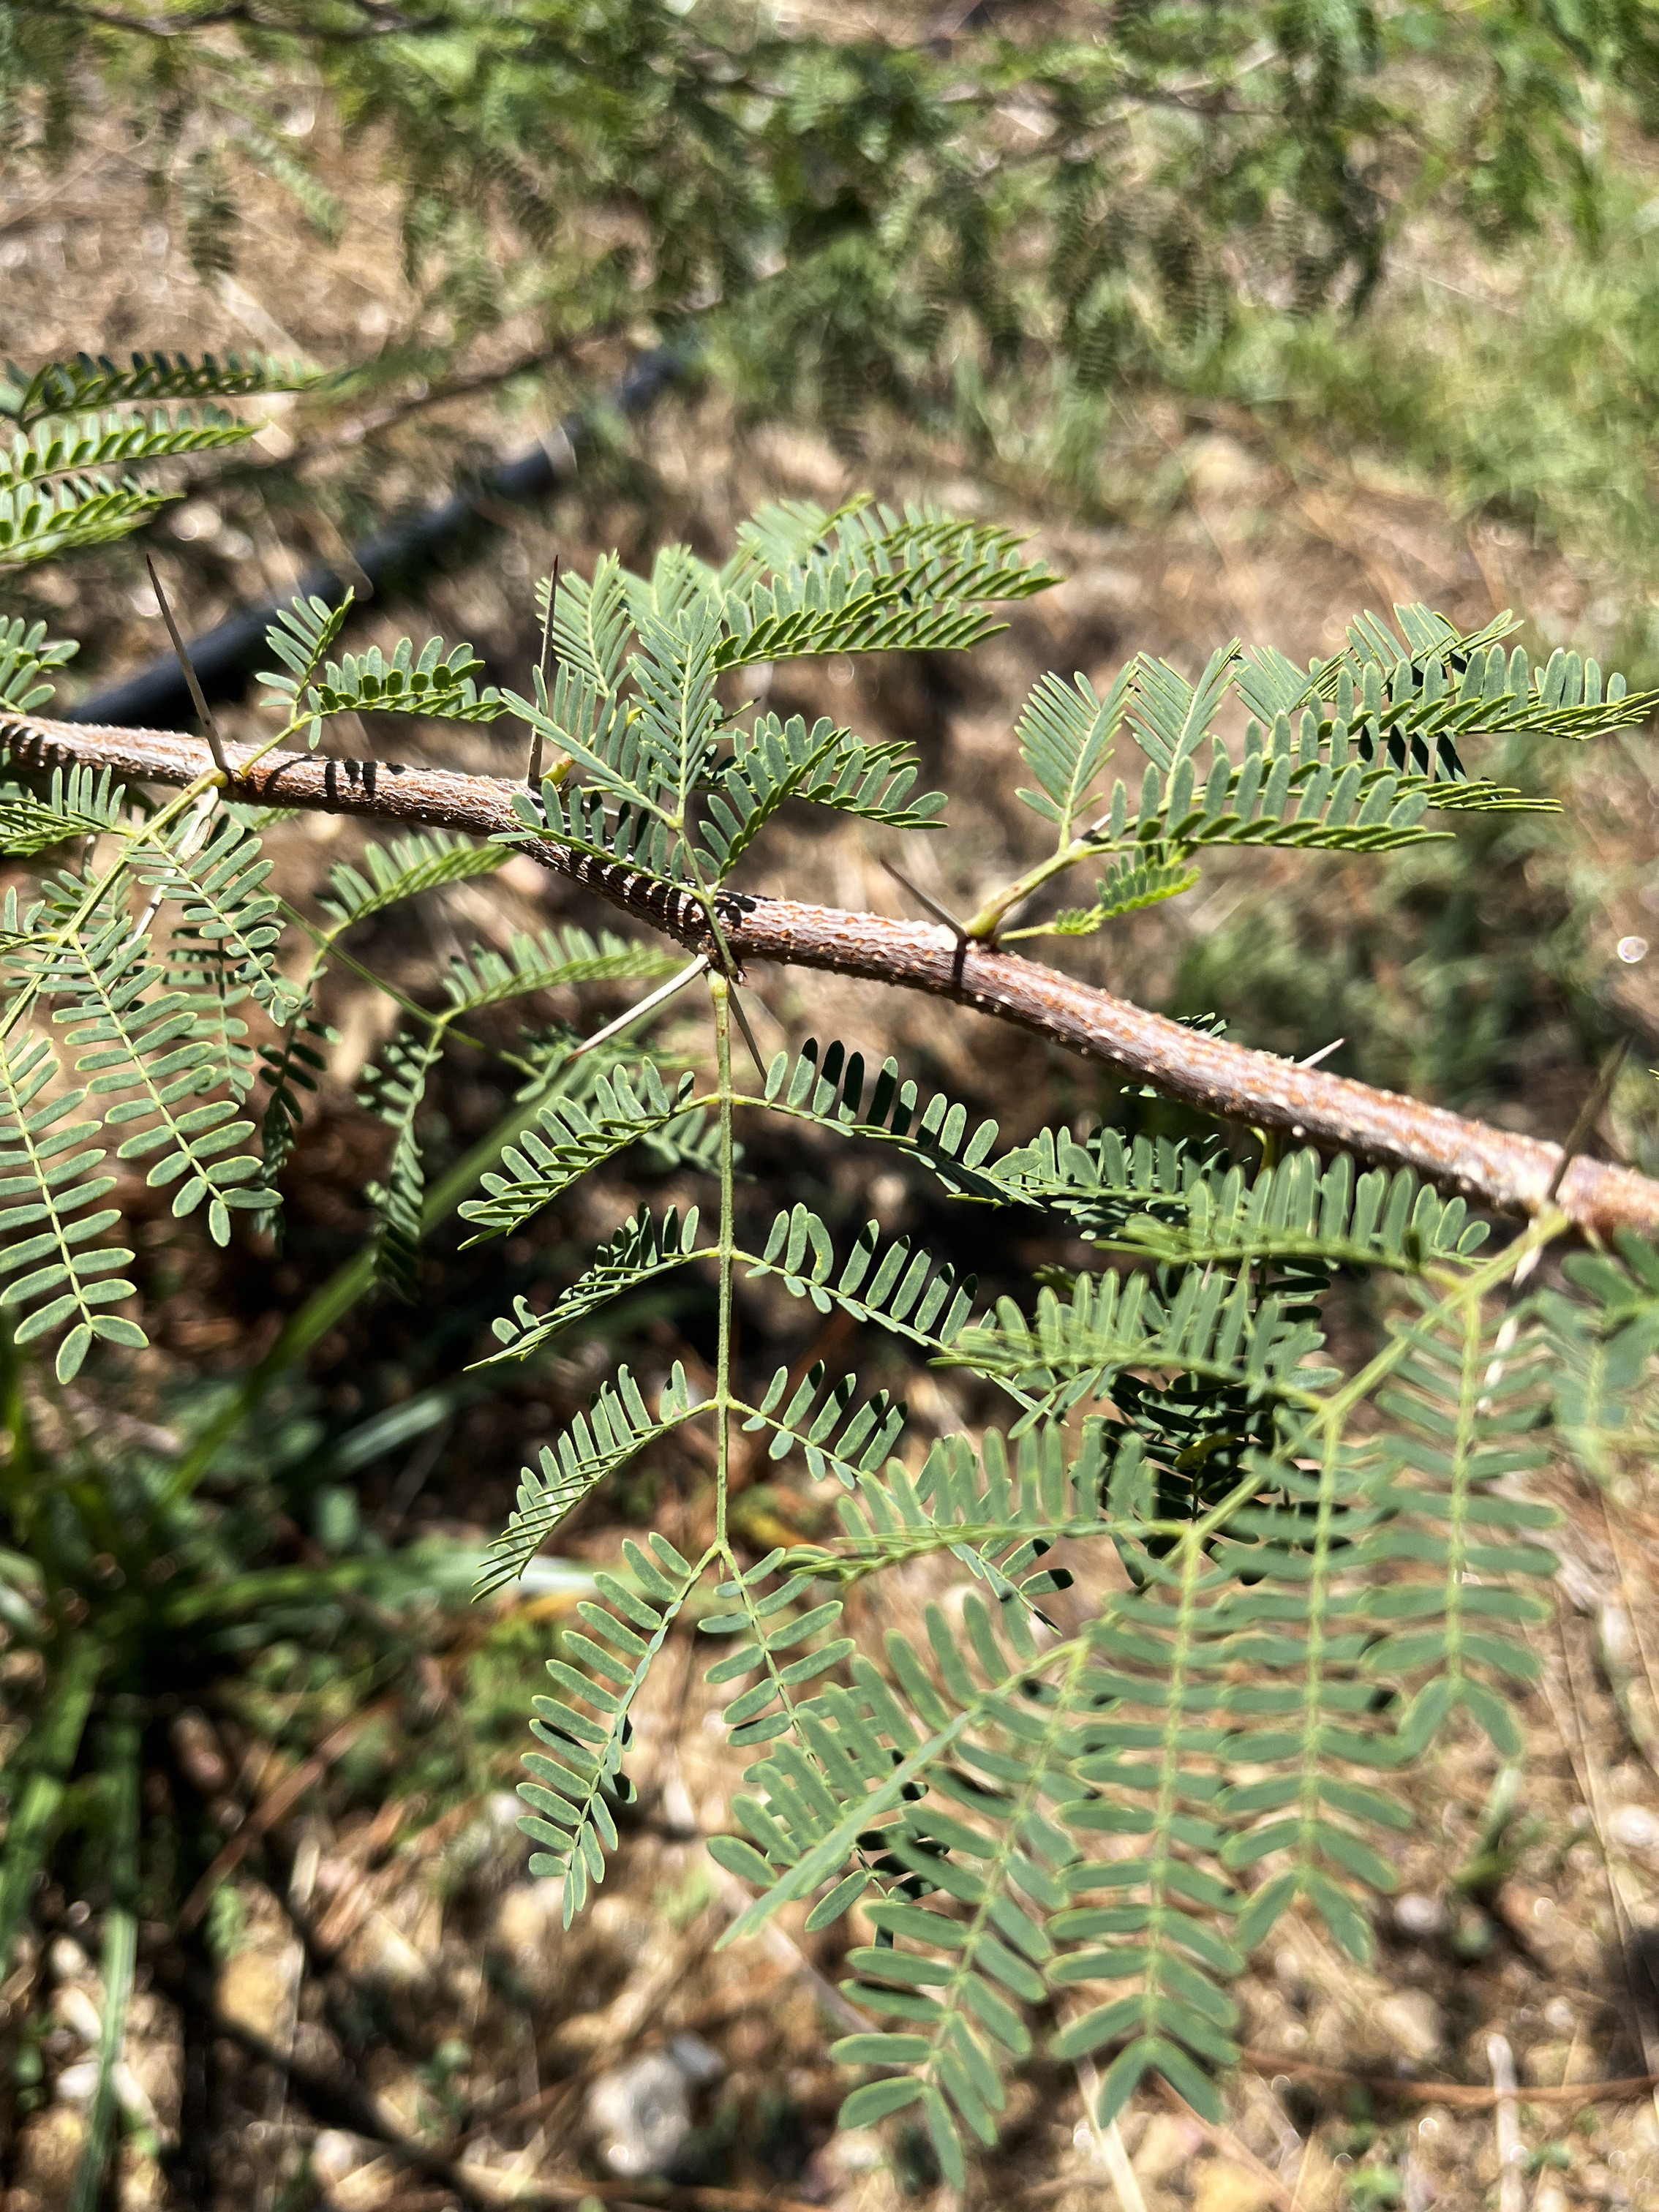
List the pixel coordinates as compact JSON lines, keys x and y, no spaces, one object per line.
{"x":1410,"y":696}
{"x":302,"y":634}
{"x":825,"y":766}
{"x":557,"y":960}
{"x":661,"y":776}
{"x":826,"y":1084}
{"x":289,"y":1070}
{"x":198,"y":965}
{"x":1299,"y":1209}
{"x":1066,"y":733}
{"x":572,"y":1139}
{"x":147,"y":1051}
{"x":1076,"y":1346}
{"x":25,"y":656}
{"x":785,"y":1641}
{"x":892,"y":1283}
{"x":878,"y":582}
{"x":643,"y":1249}
{"x":578,"y":1775}
{"x":436,"y":684}
{"x":77,"y":386}
{"x":964,"y":1976}
{"x":219,"y":888}
{"x":1307,"y":1712}
{"x":45,"y":521}
{"x":1347,"y":755}
{"x":617,"y":1427}
{"x":76,"y":803}
{"x":49,"y":1175}
{"x":1601,"y":1343}
{"x":1130,"y":886}
{"x":1465,"y":1418}
{"x":1170,"y":716}
{"x":1000,"y":1513}
{"x":554,"y":960}
{"x":1150,"y":1690}
{"x":825,"y":1421}
{"x":54,"y":499}
{"x":590,"y":624}
{"x":53,"y":451}
{"x":396,"y":1089}
{"x":1103,"y":1182}
{"x":403,"y":869}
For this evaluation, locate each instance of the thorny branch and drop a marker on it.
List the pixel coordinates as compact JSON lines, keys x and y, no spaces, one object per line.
{"x":1493,"y":1168}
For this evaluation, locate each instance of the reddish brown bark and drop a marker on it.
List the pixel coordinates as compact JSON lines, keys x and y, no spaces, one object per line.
{"x":1491,"y":1167}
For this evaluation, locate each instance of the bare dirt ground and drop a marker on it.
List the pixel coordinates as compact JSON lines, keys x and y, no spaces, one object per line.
{"x":386,"y":2015}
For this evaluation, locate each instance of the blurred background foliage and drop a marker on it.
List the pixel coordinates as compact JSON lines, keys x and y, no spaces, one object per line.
{"x":1255,"y":314}
{"x":1003,"y":226}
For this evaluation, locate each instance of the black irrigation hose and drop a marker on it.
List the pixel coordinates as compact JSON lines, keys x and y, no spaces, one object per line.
{"x":225,"y":657}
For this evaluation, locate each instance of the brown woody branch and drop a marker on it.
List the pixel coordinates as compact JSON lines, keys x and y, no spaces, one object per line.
{"x":1492,"y":1167}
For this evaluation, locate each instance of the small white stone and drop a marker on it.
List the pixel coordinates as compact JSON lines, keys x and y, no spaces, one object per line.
{"x":1633,"y":1826}
{"x":1413,"y":2023}
{"x":1416,"y":1914}
{"x":196,"y":518}
{"x":78,"y":2012}
{"x":132,"y":2096}
{"x":525,"y":876}
{"x":640,"y":2115}
{"x":66,"y":1961}
{"x":78,"y":2084}
{"x":1631,"y":949}
{"x":334,"y":2155}
{"x":679,"y":1813}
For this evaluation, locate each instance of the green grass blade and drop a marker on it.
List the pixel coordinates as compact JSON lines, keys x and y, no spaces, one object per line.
{"x":119,"y":1959}
{"x":53,"y":1746}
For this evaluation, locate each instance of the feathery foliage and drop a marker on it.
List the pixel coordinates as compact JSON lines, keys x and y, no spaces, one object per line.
{"x":76,"y":420}
{"x":395,"y":1088}
{"x":616,"y":1428}
{"x":26,"y":657}
{"x":1221,"y":1573}
{"x":1348,"y":755}
{"x":1602,"y":1341}
{"x":642,"y":1249}
{"x":1323,"y":1566}
{"x":437,"y":684}
{"x":1066,"y":205}
{"x":579,"y":1775}
{"x":166,"y":927}
{"x":652,"y":758}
